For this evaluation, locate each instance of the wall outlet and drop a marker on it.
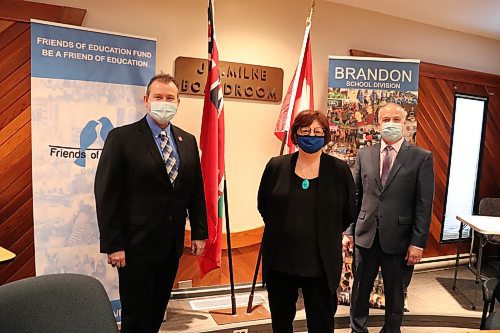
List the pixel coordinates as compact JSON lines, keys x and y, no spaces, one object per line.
{"x":185,"y":284}
{"x":241,"y":330}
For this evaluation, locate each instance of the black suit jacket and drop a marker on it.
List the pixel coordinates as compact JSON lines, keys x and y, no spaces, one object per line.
{"x":403,"y":208}
{"x":335,"y":210}
{"x":138,"y":209}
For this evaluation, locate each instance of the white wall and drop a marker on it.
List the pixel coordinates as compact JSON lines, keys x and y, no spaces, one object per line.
{"x":269,"y":33}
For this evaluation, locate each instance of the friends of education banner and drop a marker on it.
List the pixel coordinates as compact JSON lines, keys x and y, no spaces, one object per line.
{"x":84,"y":83}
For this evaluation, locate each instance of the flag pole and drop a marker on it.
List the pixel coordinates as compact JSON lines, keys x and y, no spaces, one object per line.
{"x":296,"y":78}
{"x":229,"y":248}
{"x":285,"y":137}
{"x":254,"y":282}
{"x":228,"y":231}
{"x":283,"y":142}
{"x":259,"y":256}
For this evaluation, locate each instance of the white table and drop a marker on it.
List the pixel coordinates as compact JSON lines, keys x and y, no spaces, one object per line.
{"x":485,"y":226}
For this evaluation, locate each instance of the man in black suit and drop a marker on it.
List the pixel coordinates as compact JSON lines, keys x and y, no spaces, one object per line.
{"x":394,"y":189}
{"x":147,"y":182}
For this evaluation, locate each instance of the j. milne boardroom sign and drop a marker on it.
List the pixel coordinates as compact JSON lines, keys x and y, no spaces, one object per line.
{"x":241,"y":81}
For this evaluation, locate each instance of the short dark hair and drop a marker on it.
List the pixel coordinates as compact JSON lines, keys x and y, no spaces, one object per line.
{"x":163,"y":78}
{"x":305,"y":119}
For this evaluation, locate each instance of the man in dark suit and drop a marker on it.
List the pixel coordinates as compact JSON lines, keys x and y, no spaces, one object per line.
{"x":394,"y":188}
{"x":147,"y":182}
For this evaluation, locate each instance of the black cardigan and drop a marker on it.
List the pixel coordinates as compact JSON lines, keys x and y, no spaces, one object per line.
{"x":335,"y":210}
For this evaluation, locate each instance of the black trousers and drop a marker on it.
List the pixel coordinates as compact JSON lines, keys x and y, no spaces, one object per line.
{"x":145,"y":289}
{"x":320,"y":304}
{"x":397,"y":276}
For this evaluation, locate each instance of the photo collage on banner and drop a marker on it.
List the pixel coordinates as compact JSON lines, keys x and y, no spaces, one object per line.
{"x":357,"y":88}
{"x":84,"y":83}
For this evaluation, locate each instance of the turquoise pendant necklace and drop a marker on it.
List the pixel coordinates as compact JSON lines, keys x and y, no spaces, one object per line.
{"x":305,"y":181}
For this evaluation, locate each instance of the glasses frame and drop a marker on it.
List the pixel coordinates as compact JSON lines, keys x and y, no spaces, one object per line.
{"x":306,"y":131}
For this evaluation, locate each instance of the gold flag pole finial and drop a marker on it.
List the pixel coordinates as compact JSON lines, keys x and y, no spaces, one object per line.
{"x":309,"y":18}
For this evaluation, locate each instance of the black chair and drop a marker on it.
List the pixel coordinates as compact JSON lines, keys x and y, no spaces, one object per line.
{"x":56,"y":303}
{"x":491,"y":293}
{"x":487,"y":207}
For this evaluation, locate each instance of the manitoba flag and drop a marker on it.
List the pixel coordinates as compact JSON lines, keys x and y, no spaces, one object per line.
{"x":212,"y":158}
{"x":299,"y":96}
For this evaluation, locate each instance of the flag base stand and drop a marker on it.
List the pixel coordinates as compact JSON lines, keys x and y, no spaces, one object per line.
{"x":224,"y":316}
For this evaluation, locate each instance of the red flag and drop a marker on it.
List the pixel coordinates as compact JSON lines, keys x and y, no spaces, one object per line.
{"x":212,"y":158}
{"x":299,"y":96}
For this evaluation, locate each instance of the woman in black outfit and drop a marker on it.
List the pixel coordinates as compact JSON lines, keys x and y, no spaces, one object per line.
{"x":306,"y":200}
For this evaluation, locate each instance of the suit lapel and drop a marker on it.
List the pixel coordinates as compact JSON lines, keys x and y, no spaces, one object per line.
{"x":152,"y":150}
{"x":375,"y":152}
{"x":181,"y":150}
{"x":396,"y":166}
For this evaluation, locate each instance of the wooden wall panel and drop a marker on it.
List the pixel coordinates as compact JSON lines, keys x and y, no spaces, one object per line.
{"x":16,"y":208}
{"x":490,"y":177}
{"x":437,"y":88}
{"x":16,"y":195}
{"x":23,"y":11}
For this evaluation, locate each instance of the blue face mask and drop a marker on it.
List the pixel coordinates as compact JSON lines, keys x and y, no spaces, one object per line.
{"x":310,"y":144}
{"x":392,"y":131}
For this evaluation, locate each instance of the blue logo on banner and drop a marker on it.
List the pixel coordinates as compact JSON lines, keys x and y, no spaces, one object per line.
{"x":88,"y":135}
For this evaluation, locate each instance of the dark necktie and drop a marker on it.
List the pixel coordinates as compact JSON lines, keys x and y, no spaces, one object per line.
{"x":386,"y":165}
{"x":168,"y":157}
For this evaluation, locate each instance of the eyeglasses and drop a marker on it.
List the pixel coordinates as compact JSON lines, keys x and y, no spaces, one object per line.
{"x":318,"y":131}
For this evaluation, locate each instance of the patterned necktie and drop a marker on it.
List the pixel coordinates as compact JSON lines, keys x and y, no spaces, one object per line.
{"x":168,"y":157}
{"x":386,"y":165}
